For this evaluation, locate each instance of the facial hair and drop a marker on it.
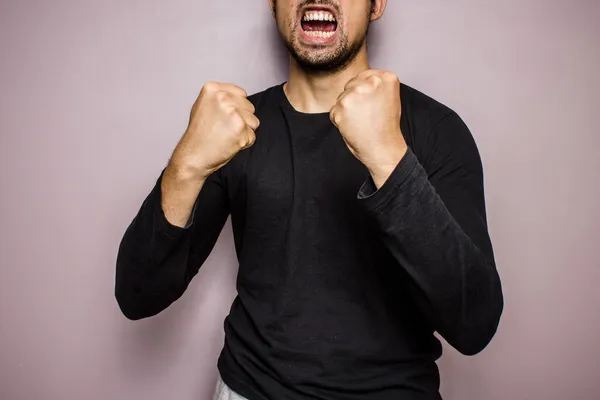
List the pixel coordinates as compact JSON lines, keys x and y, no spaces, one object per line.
{"x":317,"y":59}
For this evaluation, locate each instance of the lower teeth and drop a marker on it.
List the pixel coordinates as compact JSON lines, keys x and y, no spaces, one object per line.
{"x":320,"y":34}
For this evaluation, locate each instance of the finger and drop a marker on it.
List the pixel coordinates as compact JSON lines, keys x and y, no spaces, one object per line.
{"x":332,"y":114}
{"x":250,"y":119}
{"x":358,"y":85}
{"x":214,"y":87}
{"x":233,"y":89}
{"x":343,"y":95}
{"x":249,"y":136}
{"x":351,"y":82}
{"x":247,"y":105}
{"x":368,"y":73}
{"x":360,"y":79}
{"x":241,"y":103}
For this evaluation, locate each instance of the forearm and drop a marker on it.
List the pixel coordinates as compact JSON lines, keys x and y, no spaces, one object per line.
{"x":458,"y":288}
{"x":154,"y":263}
{"x":179,"y":193}
{"x":151,"y":260}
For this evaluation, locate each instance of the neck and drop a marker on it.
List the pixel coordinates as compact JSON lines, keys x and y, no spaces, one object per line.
{"x":317,"y":93}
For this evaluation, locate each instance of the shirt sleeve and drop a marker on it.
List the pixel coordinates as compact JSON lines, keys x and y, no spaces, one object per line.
{"x":156,"y":260}
{"x":433,"y":221}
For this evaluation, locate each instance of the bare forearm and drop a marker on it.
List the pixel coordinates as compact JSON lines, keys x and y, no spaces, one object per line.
{"x":179,"y":193}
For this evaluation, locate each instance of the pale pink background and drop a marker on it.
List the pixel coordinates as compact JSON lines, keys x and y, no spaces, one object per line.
{"x":95,"y":94}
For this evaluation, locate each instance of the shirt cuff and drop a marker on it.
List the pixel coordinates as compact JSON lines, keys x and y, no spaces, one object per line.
{"x":373,"y":198}
{"x":192,"y":215}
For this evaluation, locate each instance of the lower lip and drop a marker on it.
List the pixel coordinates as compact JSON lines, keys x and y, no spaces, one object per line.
{"x":315,"y":39}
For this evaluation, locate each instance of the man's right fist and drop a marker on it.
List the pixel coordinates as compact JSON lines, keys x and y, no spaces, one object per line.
{"x":222,"y":123}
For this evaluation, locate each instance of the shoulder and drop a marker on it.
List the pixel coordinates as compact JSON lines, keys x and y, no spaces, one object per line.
{"x":421,"y":112}
{"x":257,"y":97}
{"x":268,"y":95}
{"x":431,"y":127}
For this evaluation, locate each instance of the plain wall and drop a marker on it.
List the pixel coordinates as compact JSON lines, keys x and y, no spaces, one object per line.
{"x":95,"y":95}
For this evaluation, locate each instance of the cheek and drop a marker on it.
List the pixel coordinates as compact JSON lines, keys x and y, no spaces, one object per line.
{"x":281,"y":17}
{"x":355,"y":27}
{"x":283,"y":25}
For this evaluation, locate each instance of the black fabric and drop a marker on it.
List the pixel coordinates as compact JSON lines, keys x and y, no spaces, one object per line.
{"x":340,"y":286}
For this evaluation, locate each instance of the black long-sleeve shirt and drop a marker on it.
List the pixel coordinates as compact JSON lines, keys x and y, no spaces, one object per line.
{"x":340,"y":285}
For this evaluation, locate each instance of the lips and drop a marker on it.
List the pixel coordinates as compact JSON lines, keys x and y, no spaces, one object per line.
{"x":318,"y":24}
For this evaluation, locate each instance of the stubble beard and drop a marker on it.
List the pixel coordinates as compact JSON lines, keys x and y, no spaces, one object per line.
{"x":318,"y":59}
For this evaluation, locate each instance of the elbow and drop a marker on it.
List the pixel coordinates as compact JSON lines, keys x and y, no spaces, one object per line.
{"x":132,"y":292}
{"x":130,"y":306}
{"x":470,"y":345}
{"x":138,"y":301}
{"x":480,"y":323}
{"x":128,"y":296}
{"x":472,"y":338}
{"x":135,"y":301}
{"x":147,"y":284}
{"x":130,"y":313}
{"x":137,"y":308}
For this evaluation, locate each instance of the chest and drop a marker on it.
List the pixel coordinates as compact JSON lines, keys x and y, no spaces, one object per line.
{"x":301,"y":169}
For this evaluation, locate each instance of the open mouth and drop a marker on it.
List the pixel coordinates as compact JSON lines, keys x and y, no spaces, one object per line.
{"x":319,"y":23}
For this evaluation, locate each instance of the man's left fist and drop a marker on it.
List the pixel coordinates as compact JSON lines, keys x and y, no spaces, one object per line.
{"x":367,"y":114}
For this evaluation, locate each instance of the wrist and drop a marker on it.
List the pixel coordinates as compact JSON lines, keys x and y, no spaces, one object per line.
{"x":386,"y":163}
{"x":184,"y":174}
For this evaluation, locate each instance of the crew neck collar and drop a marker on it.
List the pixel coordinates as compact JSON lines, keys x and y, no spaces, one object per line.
{"x":285,"y":103}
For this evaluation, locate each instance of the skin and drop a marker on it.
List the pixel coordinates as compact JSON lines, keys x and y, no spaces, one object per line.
{"x":363,"y":103}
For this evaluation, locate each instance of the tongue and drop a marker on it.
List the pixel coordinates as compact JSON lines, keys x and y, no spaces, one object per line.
{"x":323,"y":26}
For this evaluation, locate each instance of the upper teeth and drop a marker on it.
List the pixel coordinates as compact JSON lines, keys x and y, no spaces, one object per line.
{"x":318,"y":16}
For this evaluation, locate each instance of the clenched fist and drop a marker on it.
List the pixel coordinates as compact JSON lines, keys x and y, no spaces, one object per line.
{"x":222,"y":123}
{"x":367,"y":114}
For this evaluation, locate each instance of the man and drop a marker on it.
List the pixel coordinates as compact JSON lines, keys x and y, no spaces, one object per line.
{"x":358,"y":212}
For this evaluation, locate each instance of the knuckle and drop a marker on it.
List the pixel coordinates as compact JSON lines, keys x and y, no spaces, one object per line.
{"x":361,"y":88}
{"x":376,"y":80}
{"x":334,"y":115}
{"x":390,"y":77}
{"x":237,"y":123}
{"x":346,"y":101}
{"x":245,"y":141}
{"x":247,"y":105}
{"x":229,"y":110}
{"x":221,"y":96}
{"x":337,"y":118}
{"x":255,"y":122}
{"x":210,"y":87}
